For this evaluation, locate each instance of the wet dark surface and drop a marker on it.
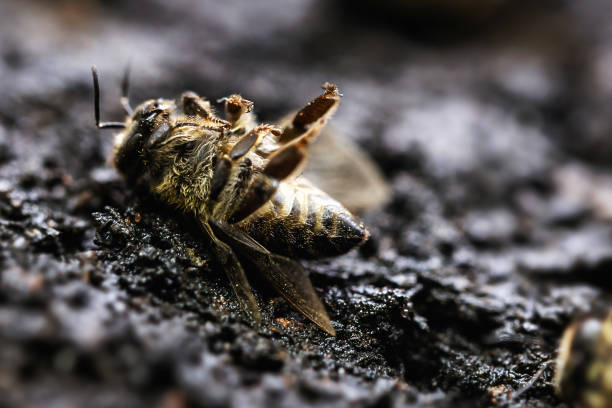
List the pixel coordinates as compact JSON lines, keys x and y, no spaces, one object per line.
{"x":495,"y":137}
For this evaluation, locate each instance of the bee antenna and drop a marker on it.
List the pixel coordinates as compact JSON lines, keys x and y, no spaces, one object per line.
{"x":101,"y":125}
{"x":125,"y":86}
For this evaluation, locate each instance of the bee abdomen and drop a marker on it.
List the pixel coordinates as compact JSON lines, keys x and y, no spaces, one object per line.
{"x":301,"y":221}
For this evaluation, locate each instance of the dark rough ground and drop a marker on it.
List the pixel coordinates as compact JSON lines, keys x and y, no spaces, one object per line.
{"x":495,"y":134}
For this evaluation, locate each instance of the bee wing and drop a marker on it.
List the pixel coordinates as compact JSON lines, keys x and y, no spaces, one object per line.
{"x":339,"y":167}
{"x":291,"y":281}
{"x":287,"y":276}
{"x":234,"y":272}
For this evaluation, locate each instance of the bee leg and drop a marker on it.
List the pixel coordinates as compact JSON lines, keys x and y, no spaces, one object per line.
{"x":307,"y":122}
{"x":235,"y":107}
{"x":286,"y":161}
{"x":253,"y":139}
{"x":259,"y":188}
{"x":223,"y":168}
{"x":282,"y":164}
{"x":194,"y":105}
{"x":235,"y":273}
{"x":259,"y":192}
{"x":220,"y":177}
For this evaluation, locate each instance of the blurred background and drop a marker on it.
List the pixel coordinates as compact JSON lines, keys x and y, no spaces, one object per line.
{"x":492,"y":121}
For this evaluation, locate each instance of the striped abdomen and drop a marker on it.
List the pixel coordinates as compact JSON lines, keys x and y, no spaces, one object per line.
{"x":301,"y":221}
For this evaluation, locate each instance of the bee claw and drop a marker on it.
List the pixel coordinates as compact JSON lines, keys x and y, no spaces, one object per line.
{"x":236,"y":106}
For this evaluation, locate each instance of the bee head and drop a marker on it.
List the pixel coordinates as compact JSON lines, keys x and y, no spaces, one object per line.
{"x":146,"y":128}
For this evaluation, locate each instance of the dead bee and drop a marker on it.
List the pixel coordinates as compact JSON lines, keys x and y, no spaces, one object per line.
{"x":584,"y":363}
{"x":241,"y":181}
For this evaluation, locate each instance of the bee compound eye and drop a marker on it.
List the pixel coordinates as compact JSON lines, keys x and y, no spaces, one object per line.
{"x":159,"y":135}
{"x":132,"y":143}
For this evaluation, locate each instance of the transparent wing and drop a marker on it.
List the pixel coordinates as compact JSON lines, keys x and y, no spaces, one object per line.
{"x":286,"y":276}
{"x":339,"y":167}
{"x":234,"y":272}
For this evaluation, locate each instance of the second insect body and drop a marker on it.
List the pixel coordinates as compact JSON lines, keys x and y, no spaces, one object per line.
{"x":241,"y":182}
